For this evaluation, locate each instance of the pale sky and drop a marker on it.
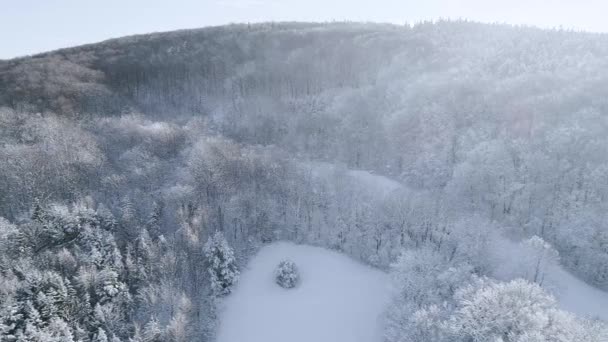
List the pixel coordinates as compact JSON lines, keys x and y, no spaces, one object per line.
{"x":31,"y":26}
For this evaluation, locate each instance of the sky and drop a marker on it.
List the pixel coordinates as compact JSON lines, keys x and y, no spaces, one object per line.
{"x":31,"y":26}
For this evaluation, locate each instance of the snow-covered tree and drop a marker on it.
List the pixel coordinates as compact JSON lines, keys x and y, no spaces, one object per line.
{"x":286,"y":274}
{"x":543,"y":257}
{"x":423,"y":281}
{"x":101,"y":336}
{"x":513,"y":311}
{"x":152,"y":331}
{"x":222,"y":267}
{"x":154,"y":221}
{"x":178,"y":329}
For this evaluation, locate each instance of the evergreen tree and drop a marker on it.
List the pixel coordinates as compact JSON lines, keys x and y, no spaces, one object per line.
{"x":286,"y":274}
{"x":154,"y":222}
{"x":10,"y":317}
{"x":60,"y":331}
{"x":178,"y":328}
{"x":38,"y":213}
{"x":222,"y":268}
{"x":101,"y":336}
{"x":152,"y":331}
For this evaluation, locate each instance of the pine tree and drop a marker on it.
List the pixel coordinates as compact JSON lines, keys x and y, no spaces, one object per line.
{"x":101,"y":336}
{"x":109,"y":286}
{"x":46,"y":306}
{"x":32,"y":315}
{"x":127,"y":210}
{"x":128,"y":218}
{"x":105,"y":218}
{"x":59,"y":331}
{"x":38,"y":213}
{"x":10,"y":316}
{"x":154,"y":222}
{"x":286,"y":274}
{"x":152,"y":331}
{"x":80,"y":334}
{"x":222,"y":266}
{"x":177,"y":330}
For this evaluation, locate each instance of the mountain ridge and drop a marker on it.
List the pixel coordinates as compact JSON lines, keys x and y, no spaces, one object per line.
{"x":108,"y":72}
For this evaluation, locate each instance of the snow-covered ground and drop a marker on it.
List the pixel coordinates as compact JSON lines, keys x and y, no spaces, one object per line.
{"x":337,"y":299}
{"x":572,"y":293}
{"x":373,"y":183}
{"x":381,"y":183}
{"x":576,"y":296}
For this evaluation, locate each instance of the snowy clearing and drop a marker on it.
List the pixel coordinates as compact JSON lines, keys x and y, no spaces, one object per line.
{"x":576,"y":296}
{"x":381,"y":183}
{"x":365,"y":180}
{"x":337,"y":299}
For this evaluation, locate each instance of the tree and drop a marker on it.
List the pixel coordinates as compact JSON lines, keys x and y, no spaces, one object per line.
{"x":423,"y":277}
{"x":422,"y":280}
{"x":513,"y":311}
{"x":152,"y":331}
{"x":101,"y":336}
{"x":286,"y":274}
{"x":422,"y":325}
{"x":543,"y":256}
{"x":59,"y":331}
{"x":154,"y":222}
{"x":38,"y":213}
{"x":178,"y":328}
{"x":222,"y":268}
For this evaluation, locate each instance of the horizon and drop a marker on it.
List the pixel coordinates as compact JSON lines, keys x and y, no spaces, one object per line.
{"x":410,"y":24}
{"x":61,"y":24}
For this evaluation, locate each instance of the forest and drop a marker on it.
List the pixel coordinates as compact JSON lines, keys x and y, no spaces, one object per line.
{"x":138,"y":174}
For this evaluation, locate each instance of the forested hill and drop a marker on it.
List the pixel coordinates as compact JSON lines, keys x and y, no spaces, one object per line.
{"x":187,"y":70}
{"x":183,"y":69}
{"x":459,"y":156}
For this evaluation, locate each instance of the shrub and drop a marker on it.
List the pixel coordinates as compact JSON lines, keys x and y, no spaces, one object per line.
{"x":286,"y":274}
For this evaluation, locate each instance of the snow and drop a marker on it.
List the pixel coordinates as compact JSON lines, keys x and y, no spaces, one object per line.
{"x":573,"y":294}
{"x":337,"y":299}
{"x":365,"y":180}
{"x":381,"y":183}
{"x":578,"y":297}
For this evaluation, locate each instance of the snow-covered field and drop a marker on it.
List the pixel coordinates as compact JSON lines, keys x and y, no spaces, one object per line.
{"x":372,"y":183}
{"x":576,"y":296}
{"x":337,"y":300}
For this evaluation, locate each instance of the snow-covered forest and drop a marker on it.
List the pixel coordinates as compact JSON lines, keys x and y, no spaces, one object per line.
{"x":140,"y":175}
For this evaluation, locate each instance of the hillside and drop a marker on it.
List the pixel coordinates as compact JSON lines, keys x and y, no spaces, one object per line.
{"x":139,"y":174}
{"x":189,"y":70}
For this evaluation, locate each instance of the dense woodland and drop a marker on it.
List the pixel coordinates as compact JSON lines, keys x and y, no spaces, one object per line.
{"x":137,"y":173}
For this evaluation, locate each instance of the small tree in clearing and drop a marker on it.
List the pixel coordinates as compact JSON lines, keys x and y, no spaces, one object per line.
{"x":222,"y":265}
{"x":286,"y":274}
{"x":543,"y":256}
